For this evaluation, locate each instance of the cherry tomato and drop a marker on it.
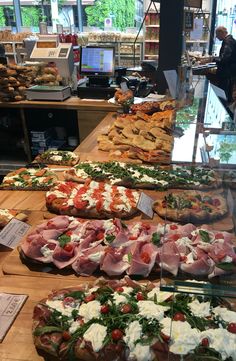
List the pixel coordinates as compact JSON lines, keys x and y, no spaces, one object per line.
{"x":179,"y":317}
{"x":116,"y":334}
{"x":163,"y":204}
{"x":219,"y":236}
{"x":173,"y":227}
{"x":119,"y":289}
{"x":69,"y":233}
{"x":126,"y":308}
{"x":66,"y":335}
{"x":105,"y":309}
{"x":68,"y":300}
{"x":175,"y":237}
{"x":133,"y":238}
{"x":232,"y":327}
{"x":79,"y":203}
{"x":216,"y":202}
{"x":146,"y":226}
{"x":140,"y":296}
{"x":205,"y":342}
{"x":68,"y":247}
{"x":165,"y":338}
{"x":89,"y":298}
{"x":100,"y":235}
{"x":145,"y":257}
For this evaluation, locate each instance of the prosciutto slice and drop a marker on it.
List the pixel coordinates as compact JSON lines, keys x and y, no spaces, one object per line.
{"x":143,"y":259}
{"x":200,"y":267}
{"x":114,"y":262}
{"x":89,"y":261}
{"x":169,"y":258}
{"x":62,"y":258}
{"x":33,"y":249}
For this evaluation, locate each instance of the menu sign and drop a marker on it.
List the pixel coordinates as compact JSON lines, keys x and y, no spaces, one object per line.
{"x":145,"y":205}
{"x":10,"y":305}
{"x":12,"y":233}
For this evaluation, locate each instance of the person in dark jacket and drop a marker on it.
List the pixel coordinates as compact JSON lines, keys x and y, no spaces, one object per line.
{"x":226,"y":62}
{"x":3,"y":59}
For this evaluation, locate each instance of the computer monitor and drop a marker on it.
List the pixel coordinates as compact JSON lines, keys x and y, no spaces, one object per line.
{"x":97,"y":61}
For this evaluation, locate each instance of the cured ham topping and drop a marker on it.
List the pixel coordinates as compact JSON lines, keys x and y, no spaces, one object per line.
{"x":136,"y":248}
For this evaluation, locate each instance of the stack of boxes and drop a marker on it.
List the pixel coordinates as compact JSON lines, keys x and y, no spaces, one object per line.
{"x":41,"y":140}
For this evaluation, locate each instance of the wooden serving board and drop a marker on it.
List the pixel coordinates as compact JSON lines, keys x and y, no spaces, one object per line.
{"x":23,"y":200}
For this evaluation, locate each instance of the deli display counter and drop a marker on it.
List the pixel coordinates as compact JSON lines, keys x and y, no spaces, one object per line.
{"x":190,"y":255}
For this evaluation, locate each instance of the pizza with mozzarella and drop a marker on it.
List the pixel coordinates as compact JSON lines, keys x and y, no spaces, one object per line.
{"x":29,"y":179}
{"x":141,"y":176}
{"x":7,"y":214}
{"x":92,"y":199}
{"x":125,"y":320}
{"x":191,"y":206}
{"x":60,"y":157}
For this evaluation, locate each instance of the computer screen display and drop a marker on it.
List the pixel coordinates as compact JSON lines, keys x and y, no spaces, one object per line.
{"x":97,"y":61}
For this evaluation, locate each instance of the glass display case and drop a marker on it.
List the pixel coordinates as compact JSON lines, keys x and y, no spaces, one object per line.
{"x":198,"y":256}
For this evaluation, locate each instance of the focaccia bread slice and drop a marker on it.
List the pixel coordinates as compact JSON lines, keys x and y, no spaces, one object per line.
{"x":6,"y":215}
{"x":191,"y":206}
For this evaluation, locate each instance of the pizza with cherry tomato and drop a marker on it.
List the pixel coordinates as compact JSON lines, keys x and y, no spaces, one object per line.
{"x":191,"y":206}
{"x":92,"y":199}
{"x":29,"y":179}
{"x":125,"y":320}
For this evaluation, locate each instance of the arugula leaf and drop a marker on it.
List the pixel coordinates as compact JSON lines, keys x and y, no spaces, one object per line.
{"x":46,"y":329}
{"x":78,"y":295}
{"x":227,"y":266}
{"x":156,"y":238}
{"x":63,"y":240}
{"x":129,"y":257}
{"x":110,"y":238}
{"x":205,"y":236}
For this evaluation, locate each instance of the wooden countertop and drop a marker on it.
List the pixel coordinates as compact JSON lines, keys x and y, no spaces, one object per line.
{"x":71,"y":103}
{"x":18,"y":344}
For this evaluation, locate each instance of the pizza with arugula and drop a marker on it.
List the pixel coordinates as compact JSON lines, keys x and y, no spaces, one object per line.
{"x":29,"y":179}
{"x":125,"y":320}
{"x":141,"y":176}
{"x":191,"y":206}
{"x":92,"y":199}
{"x":59,"y":157}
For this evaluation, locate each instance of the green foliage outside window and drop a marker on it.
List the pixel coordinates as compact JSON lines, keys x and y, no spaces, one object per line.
{"x":121,"y":11}
{"x":2,"y":18}
{"x":31,"y":15}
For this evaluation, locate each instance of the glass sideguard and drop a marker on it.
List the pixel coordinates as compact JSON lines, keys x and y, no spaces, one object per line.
{"x":197,"y":122}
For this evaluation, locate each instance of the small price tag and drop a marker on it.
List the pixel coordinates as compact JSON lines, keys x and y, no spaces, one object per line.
{"x":13,"y":232}
{"x":123,"y":86}
{"x":145,"y":205}
{"x":10,"y":305}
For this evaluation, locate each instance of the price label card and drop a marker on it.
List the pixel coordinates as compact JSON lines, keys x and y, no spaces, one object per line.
{"x":10,"y":305}
{"x":12,"y":233}
{"x":123,"y":86}
{"x":145,"y":205}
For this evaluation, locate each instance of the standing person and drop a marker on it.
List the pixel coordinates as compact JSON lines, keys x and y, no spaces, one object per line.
{"x":226,"y":62}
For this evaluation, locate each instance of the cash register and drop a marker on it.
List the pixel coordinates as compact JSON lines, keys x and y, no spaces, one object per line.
{"x":97,"y":64}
